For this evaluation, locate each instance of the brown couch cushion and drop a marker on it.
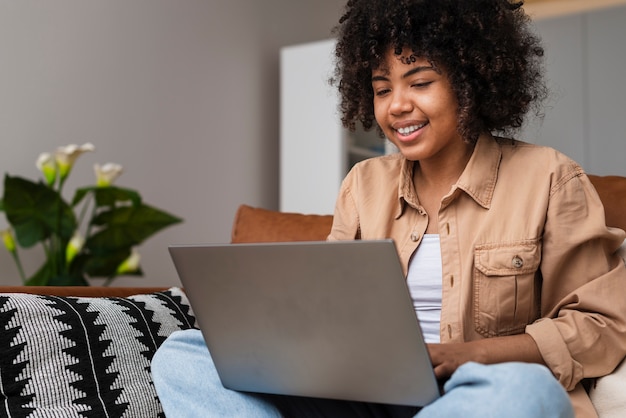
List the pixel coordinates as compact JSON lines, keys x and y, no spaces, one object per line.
{"x":612,"y":192}
{"x":263,"y":225}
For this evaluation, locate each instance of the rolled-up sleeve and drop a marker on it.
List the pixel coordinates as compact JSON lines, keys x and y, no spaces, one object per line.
{"x":582,"y":332}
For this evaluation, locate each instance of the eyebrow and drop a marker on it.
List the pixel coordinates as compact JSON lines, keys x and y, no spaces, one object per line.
{"x":405,"y":75}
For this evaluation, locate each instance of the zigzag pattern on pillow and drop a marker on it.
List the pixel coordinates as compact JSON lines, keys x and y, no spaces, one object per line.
{"x":84,"y":357}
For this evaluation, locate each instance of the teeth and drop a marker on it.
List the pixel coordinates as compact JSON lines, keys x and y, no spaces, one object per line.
{"x":409,"y":129}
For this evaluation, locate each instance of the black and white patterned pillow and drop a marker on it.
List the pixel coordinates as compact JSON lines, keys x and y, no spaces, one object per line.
{"x":84,"y":357}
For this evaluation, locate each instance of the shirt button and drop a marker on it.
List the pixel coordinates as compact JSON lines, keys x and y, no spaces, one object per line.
{"x":517,"y":262}
{"x":415,"y":237}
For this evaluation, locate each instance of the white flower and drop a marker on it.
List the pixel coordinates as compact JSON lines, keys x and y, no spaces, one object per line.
{"x":74,"y":247}
{"x":45,"y":163}
{"x":106,"y":174}
{"x":131,"y":264}
{"x":65,"y":156}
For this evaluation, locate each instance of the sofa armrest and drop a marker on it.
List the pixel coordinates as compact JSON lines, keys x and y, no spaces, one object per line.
{"x":81,"y":291}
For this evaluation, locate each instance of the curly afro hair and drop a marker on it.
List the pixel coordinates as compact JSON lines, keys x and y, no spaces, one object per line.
{"x":485,"y":47}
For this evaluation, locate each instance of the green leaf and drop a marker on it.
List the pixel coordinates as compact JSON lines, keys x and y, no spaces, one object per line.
{"x":104,"y":265}
{"x":108,"y":196}
{"x":80,"y":194}
{"x":46,"y":276}
{"x":36,"y":211}
{"x":127,"y":226}
{"x":42,"y":276}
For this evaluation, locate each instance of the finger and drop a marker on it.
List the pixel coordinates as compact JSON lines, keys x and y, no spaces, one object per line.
{"x":443,"y":371}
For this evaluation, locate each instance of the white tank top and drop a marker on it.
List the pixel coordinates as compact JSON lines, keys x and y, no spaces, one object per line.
{"x":424,"y":282}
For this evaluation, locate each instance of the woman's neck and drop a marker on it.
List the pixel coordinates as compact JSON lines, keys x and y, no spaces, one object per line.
{"x":433,"y":179}
{"x":442,"y":173}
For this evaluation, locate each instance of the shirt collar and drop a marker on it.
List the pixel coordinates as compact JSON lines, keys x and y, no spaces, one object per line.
{"x":406,"y":187}
{"x":478,"y":179}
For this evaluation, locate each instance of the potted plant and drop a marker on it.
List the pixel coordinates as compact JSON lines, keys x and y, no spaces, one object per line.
{"x":95,"y":235}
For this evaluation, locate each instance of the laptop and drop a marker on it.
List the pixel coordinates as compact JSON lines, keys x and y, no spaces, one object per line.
{"x":331,"y":319}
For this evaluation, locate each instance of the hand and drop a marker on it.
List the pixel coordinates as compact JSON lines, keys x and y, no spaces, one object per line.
{"x":446,"y":358}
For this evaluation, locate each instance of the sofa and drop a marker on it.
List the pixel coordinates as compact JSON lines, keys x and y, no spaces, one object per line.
{"x":86,"y":351}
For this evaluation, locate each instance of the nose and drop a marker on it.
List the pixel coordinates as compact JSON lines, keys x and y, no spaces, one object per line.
{"x":400,"y":102}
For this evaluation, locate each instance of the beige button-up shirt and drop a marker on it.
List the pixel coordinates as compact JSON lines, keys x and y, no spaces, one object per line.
{"x":524,"y":248}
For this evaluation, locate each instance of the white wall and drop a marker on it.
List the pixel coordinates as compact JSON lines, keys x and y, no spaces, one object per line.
{"x":183,"y":94}
{"x":585,"y":58}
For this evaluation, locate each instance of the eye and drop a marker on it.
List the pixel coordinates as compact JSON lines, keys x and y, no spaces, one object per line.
{"x":421,"y":84}
{"x":381,"y":92}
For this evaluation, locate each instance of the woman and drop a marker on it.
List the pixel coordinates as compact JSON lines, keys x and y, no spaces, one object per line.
{"x":508,"y":259}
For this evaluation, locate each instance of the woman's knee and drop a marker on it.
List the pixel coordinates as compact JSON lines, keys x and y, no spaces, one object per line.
{"x":507,"y":389}
{"x":181,"y":355}
{"x":189,"y":340}
{"x":537,"y":385}
{"x":188,"y":385}
{"x":517,"y":376}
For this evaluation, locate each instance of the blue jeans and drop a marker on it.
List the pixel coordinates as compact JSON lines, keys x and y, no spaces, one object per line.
{"x":188,"y":386}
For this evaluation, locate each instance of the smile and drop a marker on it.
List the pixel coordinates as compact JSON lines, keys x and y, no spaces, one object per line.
{"x":408,"y":130}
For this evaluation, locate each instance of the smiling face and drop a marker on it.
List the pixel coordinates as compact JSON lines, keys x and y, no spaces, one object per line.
{"x":416,"y":108}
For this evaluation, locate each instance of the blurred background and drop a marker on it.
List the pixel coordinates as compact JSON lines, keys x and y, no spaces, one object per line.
{"x":185,"y":96}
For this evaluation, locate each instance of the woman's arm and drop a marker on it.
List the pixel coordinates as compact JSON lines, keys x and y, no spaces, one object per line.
{"x":446,"y":358}
{"x":583,"y":329}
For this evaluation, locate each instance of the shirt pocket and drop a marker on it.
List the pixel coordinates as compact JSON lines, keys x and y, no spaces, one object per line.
{"x":506,"y":287}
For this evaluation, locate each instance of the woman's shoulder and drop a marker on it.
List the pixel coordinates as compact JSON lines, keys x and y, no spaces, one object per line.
{"x":377,"y":175}
{"x":528,"y":157}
